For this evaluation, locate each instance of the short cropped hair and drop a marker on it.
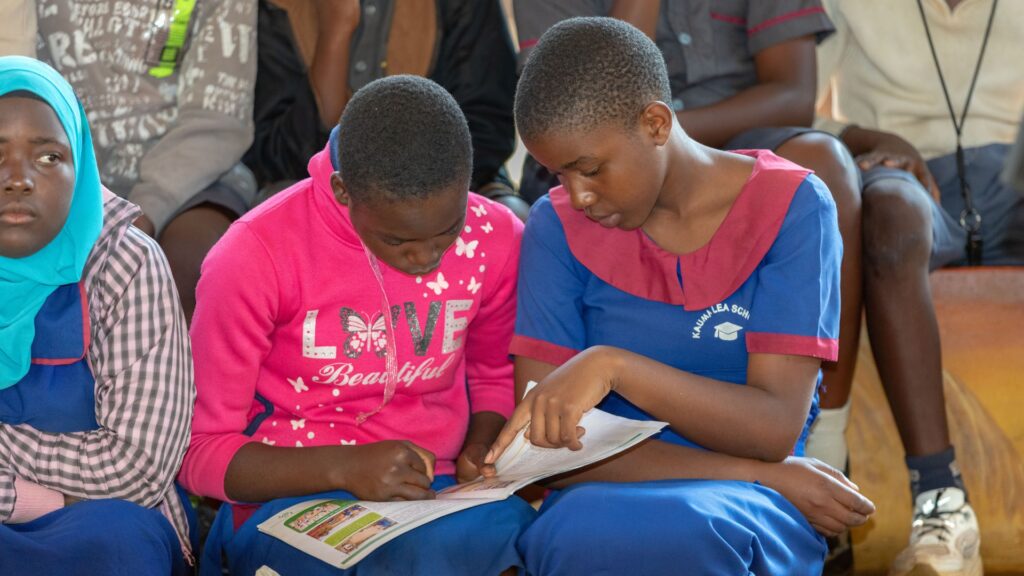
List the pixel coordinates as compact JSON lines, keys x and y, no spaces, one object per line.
{"x":403,"y":137}
{"x":585,"y":72}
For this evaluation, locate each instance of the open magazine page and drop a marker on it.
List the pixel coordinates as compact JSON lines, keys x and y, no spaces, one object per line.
{"x":342,"y":532}
{"x":522,"y":463}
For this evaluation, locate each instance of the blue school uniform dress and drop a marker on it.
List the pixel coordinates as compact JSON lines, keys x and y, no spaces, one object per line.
{"x":767,"y":282}
{"x":96,"y":537}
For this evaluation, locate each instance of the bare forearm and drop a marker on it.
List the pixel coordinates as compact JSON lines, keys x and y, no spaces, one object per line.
{"x":328,"y":75}
{"x":484,"y":428}
{"x":640,"y":13}
{"x":769,"y":104}
{"x":743,"y":420}
{"x":657,"y":460}
{"x":783,"y":96}
{"x":259,"y":472}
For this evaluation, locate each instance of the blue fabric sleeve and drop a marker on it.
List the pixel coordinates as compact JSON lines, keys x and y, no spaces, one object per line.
{"x":549,"y":318}
{"x":796,"y":304}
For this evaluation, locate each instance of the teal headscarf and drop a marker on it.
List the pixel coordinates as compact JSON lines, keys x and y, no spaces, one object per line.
{"x":26,"y":283}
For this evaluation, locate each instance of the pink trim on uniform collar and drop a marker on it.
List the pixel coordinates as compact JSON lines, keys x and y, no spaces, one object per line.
{"x":633,"y":263}
{"x":86,"y":331}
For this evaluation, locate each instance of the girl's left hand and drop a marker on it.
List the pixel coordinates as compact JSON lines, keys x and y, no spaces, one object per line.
{"x":829,"y":500}
{"x":553,"y":408}
{"x":470,"y":464}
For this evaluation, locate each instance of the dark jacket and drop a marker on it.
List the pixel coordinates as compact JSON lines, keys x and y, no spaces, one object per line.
{"x":474,"y":61}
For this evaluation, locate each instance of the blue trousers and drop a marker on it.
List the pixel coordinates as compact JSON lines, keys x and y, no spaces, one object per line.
{"x":693,"y":527}
{"x":480,"y":541}
{"x":93,"y":538}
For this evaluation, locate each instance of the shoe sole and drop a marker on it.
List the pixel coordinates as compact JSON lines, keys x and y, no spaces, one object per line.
{"x":973,"y":569}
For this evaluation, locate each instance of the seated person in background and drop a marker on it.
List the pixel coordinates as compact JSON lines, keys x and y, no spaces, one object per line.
{"x":885,"y":97}
{"x":95,"y":371}
{"x":668,"y":280}
{"x":742,"y":76}
{"x":18,"y":28}
{"x":351,"y":340}
{"x":313,"y":55}
{"x":168,"y":90}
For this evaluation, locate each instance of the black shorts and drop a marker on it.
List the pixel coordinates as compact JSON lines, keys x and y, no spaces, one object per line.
{"x":768,"y":138}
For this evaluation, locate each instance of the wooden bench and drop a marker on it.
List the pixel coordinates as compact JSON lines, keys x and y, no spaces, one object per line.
{"x":981,"y":319}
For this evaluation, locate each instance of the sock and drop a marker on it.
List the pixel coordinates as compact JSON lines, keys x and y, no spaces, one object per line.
{"x":827,"y":440}
{"x":938,"y":470}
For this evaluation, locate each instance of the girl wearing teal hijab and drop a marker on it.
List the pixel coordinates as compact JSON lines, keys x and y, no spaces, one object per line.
{"x":33,"y":260}
{"x":95,"y":370}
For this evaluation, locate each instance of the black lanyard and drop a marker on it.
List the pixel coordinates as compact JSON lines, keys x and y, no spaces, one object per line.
{"x":970,"y":218}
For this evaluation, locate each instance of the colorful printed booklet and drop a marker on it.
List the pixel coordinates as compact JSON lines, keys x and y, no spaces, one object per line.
{"x":342,"y":532}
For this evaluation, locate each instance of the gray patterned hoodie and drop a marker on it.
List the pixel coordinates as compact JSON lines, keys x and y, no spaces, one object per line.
{"x":167,"y":86}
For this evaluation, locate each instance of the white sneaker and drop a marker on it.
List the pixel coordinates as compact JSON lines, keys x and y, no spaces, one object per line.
{"x":944,"y":539}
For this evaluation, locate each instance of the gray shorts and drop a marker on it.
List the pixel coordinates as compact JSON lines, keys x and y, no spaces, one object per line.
{"x":233,"y":193}
{"x":1001,"y":207}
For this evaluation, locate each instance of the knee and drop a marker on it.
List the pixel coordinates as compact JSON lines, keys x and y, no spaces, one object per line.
{"x":516,"y":204}
{"x":896,"y":228}
{"x":192,"y":233}
{"x":828,"y":157}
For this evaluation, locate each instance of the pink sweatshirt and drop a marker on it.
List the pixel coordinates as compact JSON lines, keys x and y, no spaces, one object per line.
{"x":289,"y":342}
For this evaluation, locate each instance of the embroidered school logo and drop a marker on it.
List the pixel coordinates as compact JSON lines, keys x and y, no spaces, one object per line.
{"x":728,"y":329}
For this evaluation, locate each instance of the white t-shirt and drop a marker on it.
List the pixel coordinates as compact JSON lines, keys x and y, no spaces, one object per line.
{"x":877,"y":71}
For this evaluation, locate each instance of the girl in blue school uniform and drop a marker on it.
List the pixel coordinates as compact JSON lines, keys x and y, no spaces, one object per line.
{"x":668,"y":280}
{"x":95,"y":371}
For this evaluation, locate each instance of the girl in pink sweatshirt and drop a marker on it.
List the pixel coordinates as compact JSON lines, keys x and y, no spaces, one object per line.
{"x":351,"y":339}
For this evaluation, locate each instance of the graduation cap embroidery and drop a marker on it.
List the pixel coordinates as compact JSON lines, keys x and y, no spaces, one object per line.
{"x":727,"y":331}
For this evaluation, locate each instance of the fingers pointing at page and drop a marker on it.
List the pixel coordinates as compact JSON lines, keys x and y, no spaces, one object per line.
{"x":519,"y":419}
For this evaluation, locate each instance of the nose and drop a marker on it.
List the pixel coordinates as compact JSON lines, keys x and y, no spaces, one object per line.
{"x":423,"y":256}
{"x":581,"y":199}
{"x":14,"y":177}
{"x":578,"y":196}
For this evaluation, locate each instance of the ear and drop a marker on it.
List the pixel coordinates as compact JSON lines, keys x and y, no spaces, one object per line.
{"x":656,"y":120}
{"x":339,"y":189}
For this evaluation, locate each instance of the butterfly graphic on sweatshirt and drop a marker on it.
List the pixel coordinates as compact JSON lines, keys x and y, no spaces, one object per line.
{"x":465,"y":248}
{"x":362,"y":334}
{"x":439,"y":284}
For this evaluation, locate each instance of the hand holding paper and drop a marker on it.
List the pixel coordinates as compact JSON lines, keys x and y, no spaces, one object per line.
{"x":392,"y":470}
{"x":342,"y":532}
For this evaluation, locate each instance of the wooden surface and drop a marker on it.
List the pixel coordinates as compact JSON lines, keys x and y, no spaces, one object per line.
{"x":981,"y":317}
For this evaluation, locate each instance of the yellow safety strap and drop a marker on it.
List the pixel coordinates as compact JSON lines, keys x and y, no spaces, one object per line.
{"x":177,"y":33}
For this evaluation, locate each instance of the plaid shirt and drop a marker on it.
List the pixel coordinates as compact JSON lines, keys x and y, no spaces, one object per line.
{"x":141,"y":361}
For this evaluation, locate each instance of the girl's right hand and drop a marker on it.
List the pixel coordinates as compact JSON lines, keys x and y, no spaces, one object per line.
{"x":554,"y":407}
{"x":390,"y":470}
{"x":827,"y":498}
